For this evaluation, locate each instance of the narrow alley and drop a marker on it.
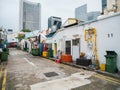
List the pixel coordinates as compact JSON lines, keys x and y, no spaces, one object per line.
{"x":26,"y":72}
{"x":70,"y":46}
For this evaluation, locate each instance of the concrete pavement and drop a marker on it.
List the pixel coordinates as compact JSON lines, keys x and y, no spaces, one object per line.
{"x":27,"y":72}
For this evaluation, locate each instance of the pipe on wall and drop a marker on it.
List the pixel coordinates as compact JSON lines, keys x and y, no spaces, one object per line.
{"x":92,"y":33}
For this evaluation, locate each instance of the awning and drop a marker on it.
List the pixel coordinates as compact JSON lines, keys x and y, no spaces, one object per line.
{"x":32,"y":34}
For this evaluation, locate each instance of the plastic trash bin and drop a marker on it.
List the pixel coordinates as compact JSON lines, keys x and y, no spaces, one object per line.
{"x":111,"y":59}
{"x":35,"y":52}
{"x":45,"y":53}
{"x":4,"y":56}
{"x":50,"y":53}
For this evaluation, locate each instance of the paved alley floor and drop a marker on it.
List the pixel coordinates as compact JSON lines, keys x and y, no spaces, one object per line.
{"x":27,"y":72}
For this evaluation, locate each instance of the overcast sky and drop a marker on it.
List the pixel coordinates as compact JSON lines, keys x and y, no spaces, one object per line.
{"x":9,"y":10}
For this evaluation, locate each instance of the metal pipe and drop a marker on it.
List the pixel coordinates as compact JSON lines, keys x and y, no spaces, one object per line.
{"x":95,"y":48}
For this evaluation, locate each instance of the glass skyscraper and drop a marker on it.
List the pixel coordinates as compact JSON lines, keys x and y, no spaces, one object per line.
{"x":54,"y":23}
{"x":81,"y":13}
{"x":104,"y":5}
{"x":30,"y":15}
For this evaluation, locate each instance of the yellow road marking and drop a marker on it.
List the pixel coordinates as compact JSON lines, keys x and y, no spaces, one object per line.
{"x":0,"y":72}
{"x":4,"y":79}
{"x":108,"y":78}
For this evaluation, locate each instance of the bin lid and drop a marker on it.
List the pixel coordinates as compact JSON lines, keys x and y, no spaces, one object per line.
{"x":111,"y":53}
{"x":110,"y":56}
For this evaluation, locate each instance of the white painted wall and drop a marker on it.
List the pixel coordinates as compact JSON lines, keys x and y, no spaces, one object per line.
{"x":105,"y":27}
{"x":108,"y":25}
{"x":75,"y":52}
{"x":65,"y":34}
{"x":11,"y":38}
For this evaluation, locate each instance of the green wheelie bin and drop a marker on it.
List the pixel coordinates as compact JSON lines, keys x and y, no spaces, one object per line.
{"x":111,"y":59}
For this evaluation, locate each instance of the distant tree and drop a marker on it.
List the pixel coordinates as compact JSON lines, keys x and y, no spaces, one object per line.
{"x":21,"y":36}
{"x":26,"y":30}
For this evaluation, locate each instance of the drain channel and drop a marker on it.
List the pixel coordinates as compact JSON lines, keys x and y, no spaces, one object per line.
{"x":50,"y":74}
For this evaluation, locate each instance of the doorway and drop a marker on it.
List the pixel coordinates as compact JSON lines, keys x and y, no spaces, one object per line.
{"x":68,"y":47}
{"x":75,"y":49}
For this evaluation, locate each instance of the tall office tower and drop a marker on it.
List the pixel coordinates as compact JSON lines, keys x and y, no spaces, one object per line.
{"x":93,"y":15}
{"x":54,"y":23}
{"x":81,"y":13}
{"x":104,"y":5}
{"x":30,"y":15}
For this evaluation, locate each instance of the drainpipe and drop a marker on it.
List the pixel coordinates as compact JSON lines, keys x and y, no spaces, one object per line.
{"x":95,"y":49}
{"x":85,"y":35}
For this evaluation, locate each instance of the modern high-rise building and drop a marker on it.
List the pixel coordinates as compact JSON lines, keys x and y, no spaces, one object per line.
{"x":104,"y":5}
{"x":30,"y":15}
{"x":54,"y":23}
{"x":81,"y":13}
{"x":93,"y":15}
